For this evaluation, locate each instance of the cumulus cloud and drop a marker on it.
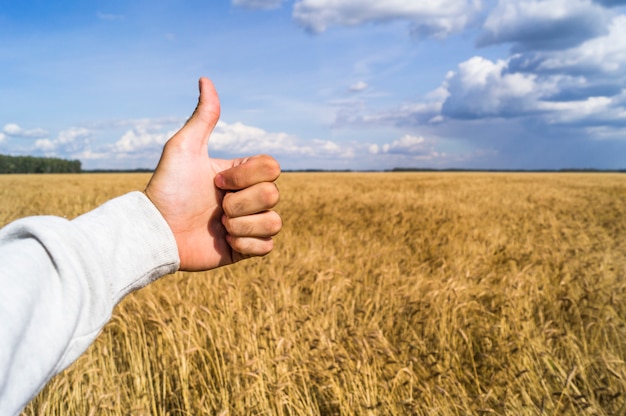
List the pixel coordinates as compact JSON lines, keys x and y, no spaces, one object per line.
{"x":140,"y":142}
{"x":14,"y":130}
{"x":67,"y":141}
{"x":579,"y":85}
{"x":605,"y":55}
{"x":73,"y":134}
{"x":482,"y":88}
{"x":413,"y":147}
{"x":45,"y":145}
{"x":144,"y":138}
{"x":433,"y":18}
{"x":140,"y":139}
{"x":592,"y":111}
{"x":258,"y":4}
{"x":544,"y":24}
{"x":239,"y":138}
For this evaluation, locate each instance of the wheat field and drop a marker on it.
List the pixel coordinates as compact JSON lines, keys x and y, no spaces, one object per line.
{"x":387,"y":294}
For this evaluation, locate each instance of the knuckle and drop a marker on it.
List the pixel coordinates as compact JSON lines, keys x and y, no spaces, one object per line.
{"x":236,"y":180}
{"x":270,"y":166}
{"x":231,"y":205}
{"x":274,"y":223}
{"x":232,"y":178}
{"x":271,"y":195}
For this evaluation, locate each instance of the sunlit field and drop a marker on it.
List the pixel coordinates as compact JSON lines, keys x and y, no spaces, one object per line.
{"x":387,"y":294}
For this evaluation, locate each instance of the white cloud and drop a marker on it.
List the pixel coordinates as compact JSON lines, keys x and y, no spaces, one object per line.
{"x":2,"y":137}
{"x":142,"y":138}
{"x":580,"y":86}
{"x":358,"y":86}
{"x":72,"y":134}
{"x":407,"y":144}
{"x":45,"y":145}
{"x":15,"y":130}
{"x":408,"y":148}
{"x":67,"y":141}
{"x":590,"y":111}
{"x":258,"y":4}
{"x":238,"y":138}
{"x":606,"y":54}
{"x":482,"y":88}
{"x":544,"y":24}
{"x":142,"y":141}
{"x":431,"y":18}
{"x":326,"y":148}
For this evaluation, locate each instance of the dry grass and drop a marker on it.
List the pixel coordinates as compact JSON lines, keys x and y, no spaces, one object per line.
{"x":424,"y":294}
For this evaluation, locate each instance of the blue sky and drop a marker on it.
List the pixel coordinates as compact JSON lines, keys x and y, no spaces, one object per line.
{"x":328,"y":84}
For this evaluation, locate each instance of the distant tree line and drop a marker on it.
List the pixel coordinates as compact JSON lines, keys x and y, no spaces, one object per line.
{"x":30,"y":164}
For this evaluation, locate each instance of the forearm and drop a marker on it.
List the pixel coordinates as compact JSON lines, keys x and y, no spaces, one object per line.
{"x":59,"y":282}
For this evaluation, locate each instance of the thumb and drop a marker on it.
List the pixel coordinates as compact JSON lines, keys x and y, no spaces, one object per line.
{"x":198,"y":128}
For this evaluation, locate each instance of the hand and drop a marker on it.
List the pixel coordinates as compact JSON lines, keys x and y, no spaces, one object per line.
{"x":219,"y":210}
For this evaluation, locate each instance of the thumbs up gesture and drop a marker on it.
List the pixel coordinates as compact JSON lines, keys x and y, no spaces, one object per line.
{"x":220,"y":211}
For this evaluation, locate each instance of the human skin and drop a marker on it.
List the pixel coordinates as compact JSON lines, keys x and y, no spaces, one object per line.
{"x":220,"y":211}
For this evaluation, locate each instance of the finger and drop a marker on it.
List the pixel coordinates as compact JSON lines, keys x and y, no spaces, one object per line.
{"x":264,"y":224}
{"x":197,"y":130}
{"x":252,"y":170}
{"x":250,"y":246}
{"x":256,"y":198}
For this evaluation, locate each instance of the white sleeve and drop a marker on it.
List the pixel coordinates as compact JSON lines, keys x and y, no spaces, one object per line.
{"x":59,"y":282}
